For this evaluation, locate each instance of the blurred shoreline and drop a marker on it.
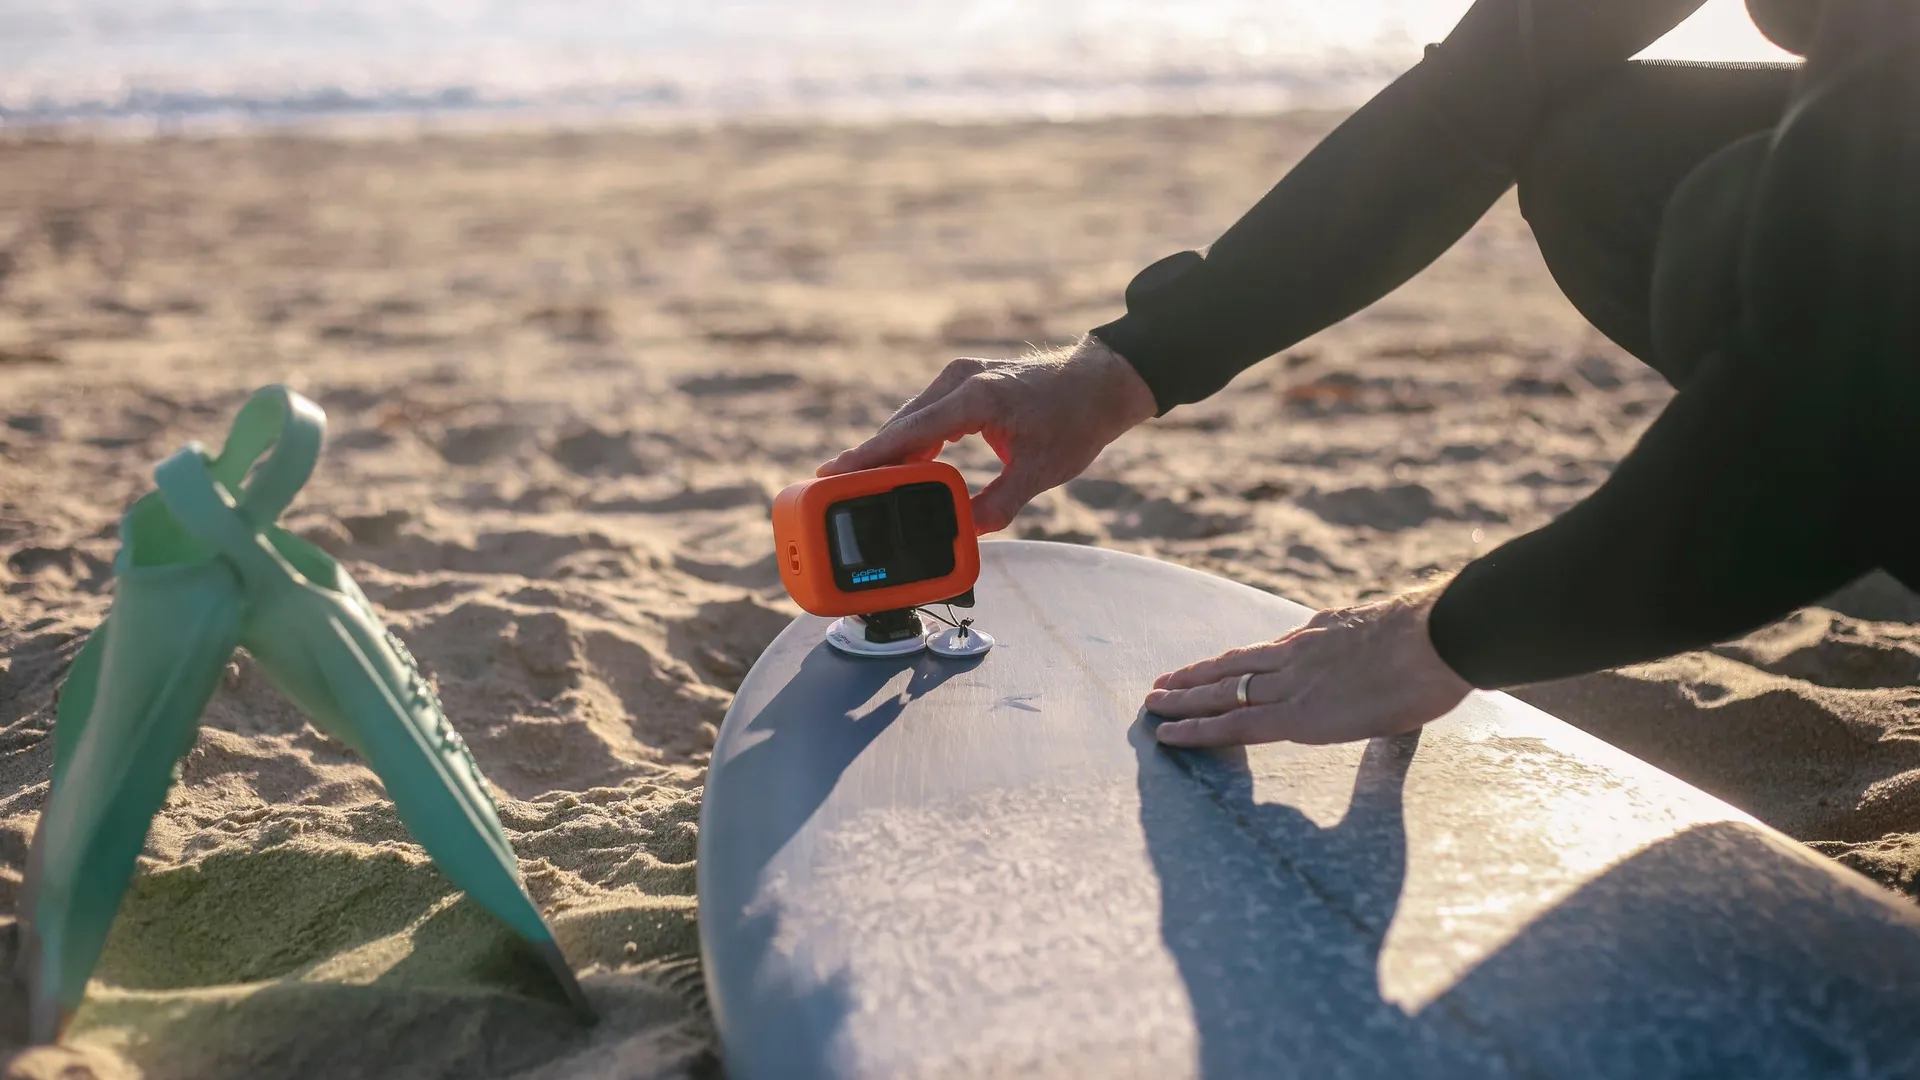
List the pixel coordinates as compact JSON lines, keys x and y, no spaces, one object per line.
{"x":408,"y":119}
{"x":214,"y":62}
{"x":186,"y":65}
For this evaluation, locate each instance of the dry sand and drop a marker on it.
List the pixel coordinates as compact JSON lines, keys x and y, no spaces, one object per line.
{"x":565,"y":373}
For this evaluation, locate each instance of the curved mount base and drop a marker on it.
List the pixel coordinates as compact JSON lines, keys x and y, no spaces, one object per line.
{"x":848,"y":634}
{"x":959,"y":643}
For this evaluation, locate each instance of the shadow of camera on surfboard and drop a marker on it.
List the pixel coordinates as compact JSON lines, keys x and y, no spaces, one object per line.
{"x":879,"y":549}
{"x":933,"y":868}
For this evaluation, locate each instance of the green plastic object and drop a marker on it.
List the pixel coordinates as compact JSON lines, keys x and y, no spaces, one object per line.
{"x":202,"y":568}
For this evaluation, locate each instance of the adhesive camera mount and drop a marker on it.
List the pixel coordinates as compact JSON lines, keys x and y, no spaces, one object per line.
{"x":904,"y":631}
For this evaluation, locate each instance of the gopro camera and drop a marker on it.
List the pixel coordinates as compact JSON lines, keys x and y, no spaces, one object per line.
{"x":877,"y":541}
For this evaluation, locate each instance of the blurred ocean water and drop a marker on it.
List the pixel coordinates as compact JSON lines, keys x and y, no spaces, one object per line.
{"x":275,"y":61}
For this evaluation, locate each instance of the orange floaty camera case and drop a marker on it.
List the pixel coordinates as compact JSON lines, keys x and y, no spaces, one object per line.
{"x":879,"y":540}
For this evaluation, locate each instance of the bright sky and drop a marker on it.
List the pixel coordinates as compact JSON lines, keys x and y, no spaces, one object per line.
{"x":1719,"y":31}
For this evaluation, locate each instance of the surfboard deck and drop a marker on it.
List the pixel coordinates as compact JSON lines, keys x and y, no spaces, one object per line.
{"x":923,"y":867}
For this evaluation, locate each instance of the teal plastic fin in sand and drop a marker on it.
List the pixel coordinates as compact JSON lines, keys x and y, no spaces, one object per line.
{"x":71,"y":708}
{"x":128,"y":711}
{"x":211,"y":537}
{"x":316,"y":637}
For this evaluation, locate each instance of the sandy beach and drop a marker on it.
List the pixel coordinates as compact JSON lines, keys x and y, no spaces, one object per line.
{"x":566,"y":372}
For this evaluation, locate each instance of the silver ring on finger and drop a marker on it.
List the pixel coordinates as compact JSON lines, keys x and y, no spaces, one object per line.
{"x":1240,"y":689}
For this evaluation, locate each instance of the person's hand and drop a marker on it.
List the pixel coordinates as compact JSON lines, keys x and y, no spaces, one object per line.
{"x":1047,"y":417}
{"x":1351,"y":673}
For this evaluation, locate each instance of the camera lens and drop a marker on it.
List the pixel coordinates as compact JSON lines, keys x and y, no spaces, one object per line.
{"x":928,"y":525}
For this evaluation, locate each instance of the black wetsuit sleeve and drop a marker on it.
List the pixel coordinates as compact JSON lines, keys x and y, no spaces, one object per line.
{"x":1742,"y":502}
{"x":1379,"y":198}
{"x":1783,"y":468}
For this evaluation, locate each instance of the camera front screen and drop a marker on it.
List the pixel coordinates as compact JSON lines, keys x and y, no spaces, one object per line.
{"x":896,"y":537}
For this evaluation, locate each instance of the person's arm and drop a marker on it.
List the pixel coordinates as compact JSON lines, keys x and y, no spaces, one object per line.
{"x":1784,"y":468}
{"x":1740,"y":504}
{"x":1380,"y":197}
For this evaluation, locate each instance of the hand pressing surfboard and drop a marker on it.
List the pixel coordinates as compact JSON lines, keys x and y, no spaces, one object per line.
{"x":928,"y":867}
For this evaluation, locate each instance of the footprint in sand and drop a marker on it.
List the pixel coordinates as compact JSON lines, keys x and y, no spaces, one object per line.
{"x":721,"y":497}
{"x":1164,"y":519}
{"x":722,"y":640}
{"x":527,"y":553}
{"x":592,"y":451}
{"x":34,"y":424}
{"x":68,"y":567}
{"x":1393,"y":508}
{"x":1102,"y":494}
{"x":375,"y":529}
{"x":478,"y":444}
{"x":733,"y":384}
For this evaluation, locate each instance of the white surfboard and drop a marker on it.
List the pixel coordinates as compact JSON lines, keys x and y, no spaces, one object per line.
{"x":922,"y":867}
